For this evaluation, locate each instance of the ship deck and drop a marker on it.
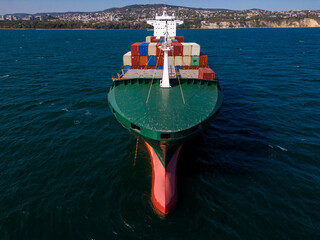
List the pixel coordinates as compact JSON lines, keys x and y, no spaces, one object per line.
{"x":157,"y":73}
{"x":165,"y":109}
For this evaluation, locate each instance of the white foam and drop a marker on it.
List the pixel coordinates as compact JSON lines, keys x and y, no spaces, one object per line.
{"x":282,"y":148}
{"x":4,"y":76}
{"x":65,"y":109}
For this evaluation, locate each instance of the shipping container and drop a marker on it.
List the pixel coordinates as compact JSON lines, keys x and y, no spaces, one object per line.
{"x":186,"y":61}
{"x":206,"y":73}
{"x":177,"y":49}
{"x":153,"y":38}
{"x":195,"y":49}
{"x":170,"y":61}
{"x":178,"y":60}
{"x":143,"y":60}
{"x":152,"y":60}
{"x":143,"y":49}
{"x":178,"y":67}
{"x":125,"y":68}
{"x":161,"y":40}
{"x":135,"y":60}
{"x":148,"y":39}
{"x":194,"y":60}
{"x":159,"y":67}
{"x":203,"y":60}
{"x":159,"y":60}
{"x":187,"y":49}
{"x":152,"y":49}
{"x":135,"y":49}
{"x":180,"y":38}
{"x":127,"y":59}
{"x":159,"y":51}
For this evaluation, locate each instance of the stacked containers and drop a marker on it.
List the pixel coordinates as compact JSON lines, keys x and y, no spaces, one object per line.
{"x":147,"y":55}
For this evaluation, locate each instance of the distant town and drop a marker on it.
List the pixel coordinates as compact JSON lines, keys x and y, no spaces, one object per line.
{"x":135,"y":16}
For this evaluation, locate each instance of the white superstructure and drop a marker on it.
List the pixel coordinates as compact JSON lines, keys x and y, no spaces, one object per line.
{"x":165,"y":23}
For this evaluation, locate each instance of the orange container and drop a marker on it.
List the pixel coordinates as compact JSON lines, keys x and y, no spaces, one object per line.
{"x":143,"y":60}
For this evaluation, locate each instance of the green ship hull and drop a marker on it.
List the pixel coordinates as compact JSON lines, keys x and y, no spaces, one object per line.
{"x":165,"y":117}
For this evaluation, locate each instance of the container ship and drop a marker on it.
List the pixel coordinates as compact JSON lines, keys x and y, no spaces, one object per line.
{"x":165,"y":95}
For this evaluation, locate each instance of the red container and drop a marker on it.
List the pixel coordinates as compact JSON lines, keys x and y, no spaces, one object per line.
{"x":177,"y":49}
{"x":180,"y":38}
{"x":143,"y":60}
{"x":159,"y":51}
{"x":203,"y":60}
{"x":155,"y":40}
{"x":135,"y":60}
{"x":135,"y":48}
{"x":151,"y":67}
{"x":206,"y":73}
{"x":159,"y":60}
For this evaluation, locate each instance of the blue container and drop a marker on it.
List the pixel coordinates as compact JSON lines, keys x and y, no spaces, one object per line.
{"x":161,"y":40}
{"x":152,"y":60}
{"x":178,"y":67}
{"x":125,"y":68}
{"x":173,"y":40}
{"x":159,"y":67}
{"x":143,"y":49}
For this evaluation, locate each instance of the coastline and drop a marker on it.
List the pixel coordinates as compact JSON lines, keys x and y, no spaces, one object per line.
{"x":39,"y":29}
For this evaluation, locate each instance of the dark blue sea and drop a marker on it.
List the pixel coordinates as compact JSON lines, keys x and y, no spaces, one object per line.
{"x":66,"y":164}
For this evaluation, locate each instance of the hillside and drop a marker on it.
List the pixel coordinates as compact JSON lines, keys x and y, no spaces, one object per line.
{"x":135,"y":16}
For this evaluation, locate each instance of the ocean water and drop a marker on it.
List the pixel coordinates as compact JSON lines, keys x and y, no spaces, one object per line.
{"x":66,"y":164}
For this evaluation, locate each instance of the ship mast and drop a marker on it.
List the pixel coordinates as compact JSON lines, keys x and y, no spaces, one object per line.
{"x":165,"y":26}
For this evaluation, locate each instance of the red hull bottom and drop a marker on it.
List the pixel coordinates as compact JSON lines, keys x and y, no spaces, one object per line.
{"x":164,"y":193}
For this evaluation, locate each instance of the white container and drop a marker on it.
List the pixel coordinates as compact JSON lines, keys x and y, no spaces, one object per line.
{"x":152,"y":49}
{"x":148,"y":38}
{"x":170,"y":61}
{"x":186,"y":61}
{"x":178,"y":60}
{"x":187,"y":49}
{"x":127,"y":59}
{"x":195,"y":49}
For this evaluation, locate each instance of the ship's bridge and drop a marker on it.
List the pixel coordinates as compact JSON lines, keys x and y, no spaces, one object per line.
{"x":160,"y":22}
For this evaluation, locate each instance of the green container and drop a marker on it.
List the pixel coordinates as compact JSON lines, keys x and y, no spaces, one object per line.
{"x":195,"y":61}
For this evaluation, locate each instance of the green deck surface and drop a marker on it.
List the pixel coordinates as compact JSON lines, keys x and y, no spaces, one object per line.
{"x":165,"y":110}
